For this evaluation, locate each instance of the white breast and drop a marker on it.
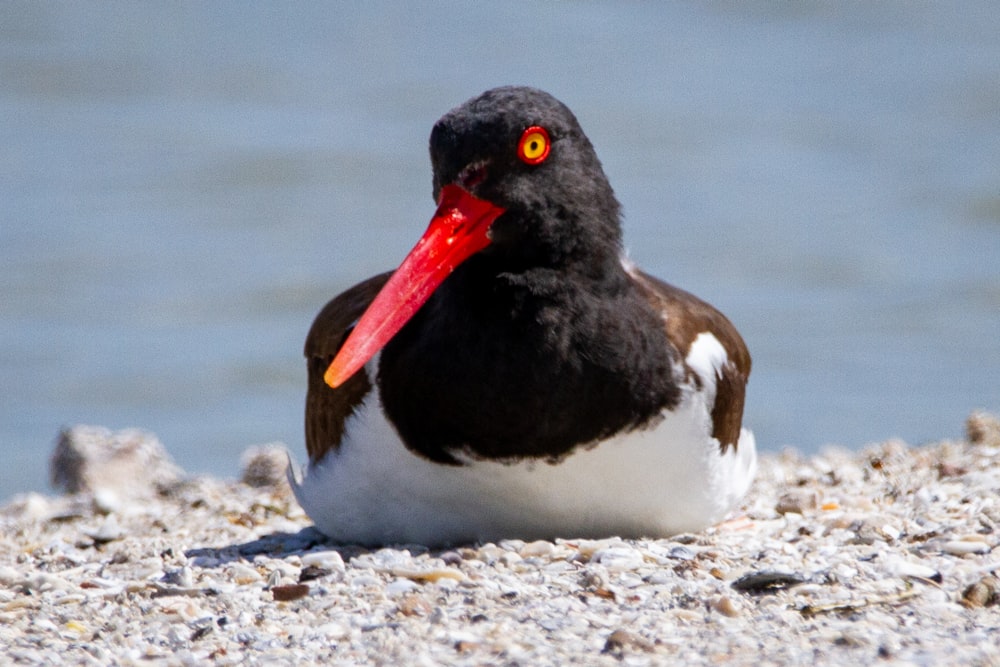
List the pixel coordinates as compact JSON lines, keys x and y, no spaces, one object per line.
{"x":669,"y":478}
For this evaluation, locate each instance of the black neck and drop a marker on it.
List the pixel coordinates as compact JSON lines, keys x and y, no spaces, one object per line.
{"x":532,"y":363}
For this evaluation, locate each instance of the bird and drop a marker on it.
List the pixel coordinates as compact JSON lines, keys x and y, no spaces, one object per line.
{"x":517,"y":376}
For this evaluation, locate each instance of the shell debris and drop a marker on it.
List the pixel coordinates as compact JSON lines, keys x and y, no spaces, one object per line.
{"x":890,"y":553}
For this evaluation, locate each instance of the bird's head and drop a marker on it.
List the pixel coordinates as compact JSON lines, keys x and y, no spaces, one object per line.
{"x":515,"y":178}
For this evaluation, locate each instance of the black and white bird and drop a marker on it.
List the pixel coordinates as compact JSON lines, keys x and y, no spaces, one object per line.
{"x":517,"y":376}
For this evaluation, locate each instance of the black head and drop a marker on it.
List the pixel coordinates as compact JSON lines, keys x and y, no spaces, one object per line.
{"x":560,"y":210}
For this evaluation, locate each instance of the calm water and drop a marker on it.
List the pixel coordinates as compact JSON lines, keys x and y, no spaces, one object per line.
{"x":184,"y":185}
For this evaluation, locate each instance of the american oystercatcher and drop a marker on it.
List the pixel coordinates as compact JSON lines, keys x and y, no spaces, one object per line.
{"x":517,"y":376}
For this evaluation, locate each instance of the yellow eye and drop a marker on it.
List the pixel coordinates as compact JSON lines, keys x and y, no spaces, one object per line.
{"x":534,"y":146}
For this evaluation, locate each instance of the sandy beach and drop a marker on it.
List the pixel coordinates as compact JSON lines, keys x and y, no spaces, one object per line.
{"x":888,"y":555}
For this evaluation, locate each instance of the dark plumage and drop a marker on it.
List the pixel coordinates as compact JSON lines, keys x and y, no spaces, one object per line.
{"x":544,"y":342}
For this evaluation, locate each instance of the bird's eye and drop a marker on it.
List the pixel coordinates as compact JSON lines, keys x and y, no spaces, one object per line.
{"x":534,"y":146}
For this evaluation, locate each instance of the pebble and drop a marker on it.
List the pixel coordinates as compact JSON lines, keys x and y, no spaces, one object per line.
{"x":768,"y":581}
{"x":797,"y":501}
{"x":983,"y":428}
{"x":266,"y":466}
{"x":328,"y":560}
{"x":537,"y":549}
{"x":116,"y":466}
{"x":968,"y":545}
{"x":400,"y":586}
{"x":681,"y":552}
{"x":365,"y":581}
{"x":883,"y":555}
{"x":241,"y":573}
{"x":618,"y":558}
{"x":289,"y":592}
{"x":983,"y":593}
{"x":621,"y":641}
{"x":904,"y":567}
{"x":727,"y":606}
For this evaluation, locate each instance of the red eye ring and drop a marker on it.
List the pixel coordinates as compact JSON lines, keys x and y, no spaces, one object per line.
{"x":534,"y":145}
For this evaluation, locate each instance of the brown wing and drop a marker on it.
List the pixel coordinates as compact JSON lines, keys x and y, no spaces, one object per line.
{"x":685,"y":317}
{"x":328,"y":409}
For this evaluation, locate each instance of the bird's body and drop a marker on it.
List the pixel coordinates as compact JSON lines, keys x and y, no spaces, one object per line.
{"x":535,"y":384}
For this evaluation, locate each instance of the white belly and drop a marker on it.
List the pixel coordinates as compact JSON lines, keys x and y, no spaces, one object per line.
{"x":668,"y":479}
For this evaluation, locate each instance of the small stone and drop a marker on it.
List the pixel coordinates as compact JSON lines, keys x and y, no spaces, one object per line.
{"x":489,"y":553}
{"x":365,"y":581}
{"x":851,"y":640}
{"x":184,"y":609}
{"x":620,"y":641}
{"x":117,"y":465}
{"x":384,"y":560}
{"x":204,"y":562}
{"x":201,"y":631}
{"x":439,"y":616}
{"x":181,"y":576}
{"x":594,"y":578}
{"x":797,"y":502}
{"x":9,"y":575}
{"x":661,"y":577}
{"x":266,"y":466}
{"x":587,"y":548}
{"x":108,"y":531}
{"x":983,"y":593}
{"x":537,"y":549}
{"x":400,"y":586}
{"x":413,"y":604}
{"x":619,"y":558}
{"x":865,"y":533}
{"x":243,"y":574}
{"x":726,"y":606}
{"x":905,"y":568}
{"x":973,"y":544}
{"x":30,"y":507}
{"x":451,"y":558}
{"x":890,"y":532}
{"x":76,"y":627}
{"x":681,"y":552}
{"x":983,"y":428}
{"x":334,"y":630}
{"x":43,"y":582}
{"x":289,"y":592}
{"x":311,"y":572}
{"x":328,"y":560}
{"x":510,"y":558}
{"x":760,"y":583}
{"x":107,"y":501}
{"x":433,"y":575}
{"x":946,"y":469}
{"x":466,"y":646}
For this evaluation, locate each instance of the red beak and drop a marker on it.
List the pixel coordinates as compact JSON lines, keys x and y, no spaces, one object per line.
{"x":458,"y":230}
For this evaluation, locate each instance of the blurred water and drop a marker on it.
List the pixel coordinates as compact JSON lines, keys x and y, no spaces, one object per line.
{"x":184,"y":185}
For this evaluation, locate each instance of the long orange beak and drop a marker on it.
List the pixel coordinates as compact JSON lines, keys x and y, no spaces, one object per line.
{"x":458,"y":230}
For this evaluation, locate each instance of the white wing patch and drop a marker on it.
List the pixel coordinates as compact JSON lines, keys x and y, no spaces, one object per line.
{"x":707,"y":358}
